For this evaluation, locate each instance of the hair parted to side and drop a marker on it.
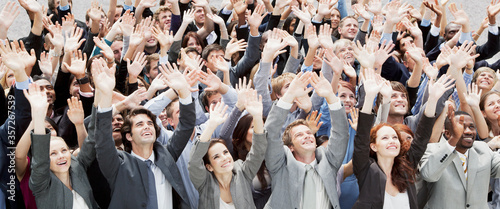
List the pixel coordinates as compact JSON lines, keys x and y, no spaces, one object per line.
{"x":287,"y":135}
{"x":128,"y":123}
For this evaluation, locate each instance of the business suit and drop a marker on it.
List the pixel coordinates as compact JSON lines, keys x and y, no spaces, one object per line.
{"x":448,"y":187}
{"x":288,"y":174}
{"x":371,"y":178}
{"x":243,"y":174}
{"x":48,"y":190}
{"x":127,"y":175}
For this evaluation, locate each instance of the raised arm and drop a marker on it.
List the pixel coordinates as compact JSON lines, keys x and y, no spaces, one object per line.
{"x":40,"y":140}
{"x":257,"y":152}
{"x":197,"y":171}
{"x":8,"y":15}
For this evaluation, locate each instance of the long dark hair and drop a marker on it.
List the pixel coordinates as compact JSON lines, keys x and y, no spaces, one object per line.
{"x":402,"y":174}
{"x":240,"y":151}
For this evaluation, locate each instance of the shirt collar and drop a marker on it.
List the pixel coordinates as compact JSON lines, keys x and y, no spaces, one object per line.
{"x":152,"y":157}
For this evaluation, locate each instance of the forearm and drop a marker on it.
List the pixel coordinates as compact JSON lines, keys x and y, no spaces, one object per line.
{"x":81,"y":133}
{"x":414,"y":79}
{"x":37,"y":24}
{"x":482,"y":126}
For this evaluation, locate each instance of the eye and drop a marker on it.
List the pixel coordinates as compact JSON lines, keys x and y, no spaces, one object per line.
{"x":52,"y":154}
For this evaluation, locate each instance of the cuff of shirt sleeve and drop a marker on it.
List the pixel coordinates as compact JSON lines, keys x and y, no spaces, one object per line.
{"x":164,"y":59}
{"x":64,"y":8}
{"x":106,"y":109}
{"x":284,"y":105}
{"x":465,"y":37}
{"x":451,"y":148}
{"x":493,"y":29}
{"x":128,"y":7}
{"x":186,"y":101}
{"x":226,"y":11}
{"x":435,"y":30}
{"x":23,"y":85}
{"x":425,"y":23}
{"x":335,"y":106}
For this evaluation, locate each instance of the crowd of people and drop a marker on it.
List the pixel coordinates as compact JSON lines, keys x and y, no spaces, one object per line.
{"x":255,"y":104}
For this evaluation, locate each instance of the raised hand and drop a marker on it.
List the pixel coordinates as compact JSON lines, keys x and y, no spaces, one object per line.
{"x":371,"y":83}
{"x":38,"y":101}
{"x":430,"y":70}
{"x":103,"y":76}
{"x":353,"y":120}
{"x":29,"y":59}
{"x":73,"y":41}
{"x":239,"y":6}
{"x":459,"y":57}
{"x":303,"y":15}
{"x":274,"y":44}
{"x":188,"y":16}
{"x":349,"y":69}
{"x":242,"y":89}
{"x":473,"y":95}
{"x":374,"y":6}
{"x":212,"y":81}
{"x":31,"y":6}
{"x":361,"y":11}
{"x":312,"y":38}
{"x":298,"y":87}
{"x":258,"y":14}
{"x":175,"y":80}
{"x":75,"y":111}
{"x":334,"y":62}
{"x":440,"y":86}
{"x":192,"y":64}
{"x":289,"y":39}
{"x":322,"y":87}
{"x":396,"y":11}
{"x":68,"y":23}
{"x":235,"y":46}
{"x":313,"y":122}
{"x":164,"y":38}
{"x":135,"y":68}
{"x":325,"y":36}
{"x":382,"y":54}
{"x":78,"y":64}
{"x":253,"y":104}
{"x":461,"y":17}
{"x":147,"y":3}
{"x":493,"y":9}
{"x":221,"y":64}
{"x":105,"y":49}
{"x":133,"y":100}
{"x":435,"y":7}
{"x":11,"y":57}
{"x":127,"y":23}
{"x":386,"y":91}
{"x":55,"y":36}
{"x":217,"y":114}
{"x":366,"y":58}
{"x":8,"y":15}
{"x":95,"y":11}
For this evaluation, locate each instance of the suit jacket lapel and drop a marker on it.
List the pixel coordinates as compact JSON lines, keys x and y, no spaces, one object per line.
{"x":296,"y":180}
{"x":460,"y":171}
{"x":144,"y":174}
{"x":472,"y":166}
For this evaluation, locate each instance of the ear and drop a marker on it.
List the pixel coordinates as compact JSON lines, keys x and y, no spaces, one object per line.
{"x":128,"y":136}
{"x":209,"y":167}
{"x":447,"y":134}
{"x":206,"y":108}
{"x":484,"y":114}
{"x":169,"y":120}
{"x":373,"y":147}
{"x":291,"y":148}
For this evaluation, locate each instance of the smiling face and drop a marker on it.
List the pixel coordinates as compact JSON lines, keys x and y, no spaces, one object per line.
{"x":60,"y":157}
{"x":303,"y":140}
{"x":345,"y":53}
{"x":386,"y":143}
{"x":349,"y":28}
{"x":491,"y":107}
{"x":399,"y":104}
{"x":142,"y":131}
{"x":469,"y":135}
{"x":347,"y":97}
{"x":165,"y":18}
{"x":117,"y":124}
{"x":220,"y":159}
{"x":335,"y":18}
{"x":485,"y":81}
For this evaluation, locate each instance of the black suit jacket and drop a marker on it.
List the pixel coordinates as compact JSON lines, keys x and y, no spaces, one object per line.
{"x":371,"y":178}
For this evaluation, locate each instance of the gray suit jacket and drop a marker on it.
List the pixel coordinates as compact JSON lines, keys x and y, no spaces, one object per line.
{"x":127,"y":175}
{"x":243,"y":174}
{"x":48,"y":190}
{"x":288,"y":174}
{"x":448,"y":187}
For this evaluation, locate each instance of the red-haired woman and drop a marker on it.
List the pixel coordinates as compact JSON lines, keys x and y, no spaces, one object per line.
{"x":386,"y":174}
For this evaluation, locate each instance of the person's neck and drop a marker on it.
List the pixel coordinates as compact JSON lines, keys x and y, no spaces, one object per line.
{"x":65,"y":179}
{"x":150,"y":49}
{"x":306,"y":158}
{"x":395,"y":119}
{"x":385,"y":164}
{"x":199,"y":25}
{"x":495,"y":129}
{"x":224,"y":179}
{"x":50,"y":109}
{"x":144,"y":151}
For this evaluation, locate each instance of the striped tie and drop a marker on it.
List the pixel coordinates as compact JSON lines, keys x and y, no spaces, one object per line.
{"x":464,"y":166}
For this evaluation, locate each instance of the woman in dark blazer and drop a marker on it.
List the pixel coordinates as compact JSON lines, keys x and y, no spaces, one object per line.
{"x":380,"y":165}
{"x":58,"y":179}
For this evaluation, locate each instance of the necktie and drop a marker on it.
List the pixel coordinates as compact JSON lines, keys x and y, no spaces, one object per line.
{"x":464,"y":165}
{"x":309,"y":200}
{"x":152,"y":199}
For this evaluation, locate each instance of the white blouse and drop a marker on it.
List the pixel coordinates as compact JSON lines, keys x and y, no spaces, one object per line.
{"x":224,"y":205}
{"x":78,"y":201}
{"x":400,"y":201}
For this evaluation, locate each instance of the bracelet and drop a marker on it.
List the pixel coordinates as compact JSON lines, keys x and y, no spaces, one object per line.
{"x":83,"y":80}
{"x":110,"y":62}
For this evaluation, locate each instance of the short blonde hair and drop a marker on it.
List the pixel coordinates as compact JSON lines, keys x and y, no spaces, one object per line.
{"x":278,"y":82}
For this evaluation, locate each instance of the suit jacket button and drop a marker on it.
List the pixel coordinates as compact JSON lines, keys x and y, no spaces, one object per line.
{"x":144,"y":205}
{"x":468,"y":205}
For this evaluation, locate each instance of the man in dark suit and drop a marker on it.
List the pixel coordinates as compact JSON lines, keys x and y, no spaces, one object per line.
{"x":147,"y":177}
